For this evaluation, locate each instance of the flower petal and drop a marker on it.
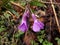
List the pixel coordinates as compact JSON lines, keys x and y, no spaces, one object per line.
{"x":33,"y":16}
{"x":36,"y":27}
{"x":22,"y":27}
{"x":41,"y":25}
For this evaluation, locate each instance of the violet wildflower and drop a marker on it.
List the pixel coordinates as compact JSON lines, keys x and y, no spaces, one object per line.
{"x":37,"y":25}
{"x":23,"y":26}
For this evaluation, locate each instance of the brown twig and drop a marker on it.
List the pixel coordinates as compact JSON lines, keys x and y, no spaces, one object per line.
{"x":17,"y":4}
{"x":55,"y":15}
{"x":50,"y":2}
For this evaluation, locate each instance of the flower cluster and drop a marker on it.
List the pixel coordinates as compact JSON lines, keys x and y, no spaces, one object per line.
{"x":37,"y":25}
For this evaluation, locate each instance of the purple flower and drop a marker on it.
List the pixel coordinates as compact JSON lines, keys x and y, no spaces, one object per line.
{"x":23,"y":26}
{"x":37,"y":25}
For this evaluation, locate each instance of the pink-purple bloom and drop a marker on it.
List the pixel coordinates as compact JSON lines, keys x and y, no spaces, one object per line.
{"x":23,"y":26}
{"x":37,"y":25}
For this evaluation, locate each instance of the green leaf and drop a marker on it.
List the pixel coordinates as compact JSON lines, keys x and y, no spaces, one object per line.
{"x":23,"y":3}
{"x":6,"y":15}
{"x":56,"y":38}
{"x":1,"y":22}
{"x":2,"y":29}
{"x":36,"y":3}
{"x":33,"y":42}
{"x":40,"y":40}
{"x":2,"y":17}
{"x":59,"y":42}
{"x":14,"y":12}
{"x":5,"y":2}
{"x":11,"y":22}
{"x":18,"y":34}
{"x":42,"y":32}
{"x":47,"y":43}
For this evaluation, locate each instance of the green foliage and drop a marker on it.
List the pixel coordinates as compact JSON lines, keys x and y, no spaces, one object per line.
{"x":22,"y":3}
{"x":18,"y":34}
{"x":33,"y":42}
{"x":47,"y":43}
{"x":4,"y":21}
{"x":37,"y":3}
{"x":4,"y":2}
{"x":40,"y":39}
{"x":58,"y":40}
{"x":1,"y":22}
{"x":2,"y":18}
{"x":14,"y":12}
{"x":6,"y":15}
{"x":41,"y":36}
{"x":2,"y":28}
